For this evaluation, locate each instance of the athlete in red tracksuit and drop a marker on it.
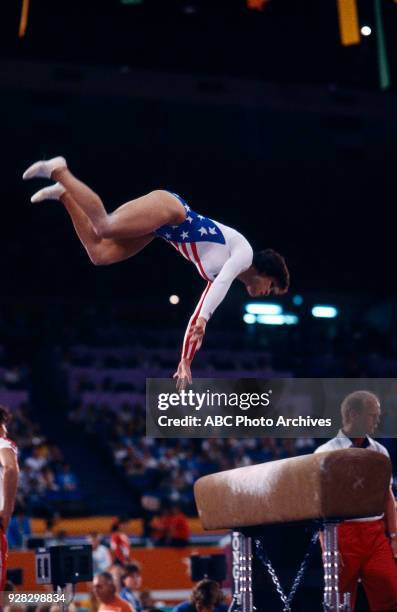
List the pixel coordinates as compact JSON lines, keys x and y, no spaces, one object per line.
{"x":368,"y":546}
{"x":8,"y":489}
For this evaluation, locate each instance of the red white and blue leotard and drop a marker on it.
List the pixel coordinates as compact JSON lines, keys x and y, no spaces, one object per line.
{"x":220,"y":254}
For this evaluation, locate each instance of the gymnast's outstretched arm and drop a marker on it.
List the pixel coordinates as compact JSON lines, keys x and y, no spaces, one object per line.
{"x":212,"y":296}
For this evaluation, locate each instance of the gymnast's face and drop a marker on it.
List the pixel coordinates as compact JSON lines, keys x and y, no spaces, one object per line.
{"x":367,"y":419}
{"x":260,"y":284}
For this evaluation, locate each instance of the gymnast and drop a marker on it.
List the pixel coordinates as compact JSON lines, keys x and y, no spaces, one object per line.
{"x":220,"y":253}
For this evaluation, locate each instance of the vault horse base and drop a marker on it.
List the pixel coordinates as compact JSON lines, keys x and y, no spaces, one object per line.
{"x":242,"y":558}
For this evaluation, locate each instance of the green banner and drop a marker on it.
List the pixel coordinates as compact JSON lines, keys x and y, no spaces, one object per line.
{"x":383,"y":63}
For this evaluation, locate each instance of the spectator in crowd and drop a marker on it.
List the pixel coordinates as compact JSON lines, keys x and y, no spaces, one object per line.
{"x":67,"y":480}
{"x":36,"y":461}
{"x":48,"y":480}
{"x":159,"y":527}
{"x":171,"y":528}
{"x":25,"y":481}
{"x":104,"y":589}
{"x":120,"y":544}
{"x":178,"y":532}
{"x":150,"y":504}
{"x":60,"y":538}
{"x":13,"y":378}
{"x":206,"y":597}
{"x":19,"y":528}
{"x":51,"y":523}
{"x":101,"y":556}
{"x":132,"y":581}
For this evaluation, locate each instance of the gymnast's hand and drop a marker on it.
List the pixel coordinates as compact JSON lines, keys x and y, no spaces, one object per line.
{"x":197,"y":331}
{"x":183,"y":375}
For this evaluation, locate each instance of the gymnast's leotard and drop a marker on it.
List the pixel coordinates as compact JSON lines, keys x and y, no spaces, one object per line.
{"x":220,"y":254}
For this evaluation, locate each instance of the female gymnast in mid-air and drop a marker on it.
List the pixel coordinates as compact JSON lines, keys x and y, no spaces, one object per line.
{"x":220,"y":253}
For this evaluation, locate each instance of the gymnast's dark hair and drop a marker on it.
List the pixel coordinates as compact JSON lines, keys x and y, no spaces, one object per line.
{"x":272,"y":264}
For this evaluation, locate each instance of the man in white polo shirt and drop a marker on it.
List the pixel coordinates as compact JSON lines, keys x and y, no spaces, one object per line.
{"x":368,"y":547}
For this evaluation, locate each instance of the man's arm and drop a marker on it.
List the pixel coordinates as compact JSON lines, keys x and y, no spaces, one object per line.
{"x":9,"y":463}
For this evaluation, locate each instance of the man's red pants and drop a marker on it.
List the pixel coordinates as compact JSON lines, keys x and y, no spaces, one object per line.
{"x":366,"y":553}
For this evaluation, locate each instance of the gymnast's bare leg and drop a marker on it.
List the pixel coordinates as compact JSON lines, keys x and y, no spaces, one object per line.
{"x":101,"y":251}
{"x":136,"y":218}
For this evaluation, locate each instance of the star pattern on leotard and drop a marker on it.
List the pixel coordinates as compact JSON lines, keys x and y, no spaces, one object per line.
{"x":195,"y":228}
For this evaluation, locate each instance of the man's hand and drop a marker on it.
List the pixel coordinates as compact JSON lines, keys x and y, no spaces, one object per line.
{"x":4,"y":520}
{"x":183,"y":375}
{"x":196,"y":333}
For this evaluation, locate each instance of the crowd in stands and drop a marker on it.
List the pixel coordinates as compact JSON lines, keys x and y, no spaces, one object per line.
{"x":46,"y":480}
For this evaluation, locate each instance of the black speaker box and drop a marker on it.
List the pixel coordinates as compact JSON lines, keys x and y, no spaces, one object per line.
{"x":60,"y":565}
{"x":208,"y":566}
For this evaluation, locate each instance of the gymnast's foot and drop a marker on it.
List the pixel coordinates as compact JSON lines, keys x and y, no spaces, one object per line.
{"x":44,"y":169}
{"x":53,"y":192}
